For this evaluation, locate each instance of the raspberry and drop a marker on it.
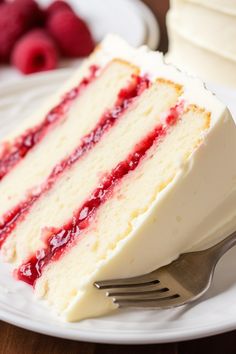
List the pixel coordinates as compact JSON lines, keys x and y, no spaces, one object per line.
{"x":71,"y":34}
{"x":31,"y":11}
{"x":57,"y":5}
{"x":12,"y":27}
{"x":35,"y":52}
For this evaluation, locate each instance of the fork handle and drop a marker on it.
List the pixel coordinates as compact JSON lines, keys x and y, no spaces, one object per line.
{"x":218,"y":250}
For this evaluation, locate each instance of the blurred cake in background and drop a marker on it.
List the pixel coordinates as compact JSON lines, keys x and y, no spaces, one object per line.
{"x":202,"y":39}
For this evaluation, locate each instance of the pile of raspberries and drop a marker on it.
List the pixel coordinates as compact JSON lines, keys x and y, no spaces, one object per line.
{"x":33,"y":39}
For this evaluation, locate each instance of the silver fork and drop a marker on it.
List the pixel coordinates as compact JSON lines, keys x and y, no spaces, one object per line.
{"x":180,"y":282}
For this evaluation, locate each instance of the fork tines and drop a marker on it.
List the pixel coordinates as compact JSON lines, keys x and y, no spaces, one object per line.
{"x":126,"y":283}
{"x":138,"y":292}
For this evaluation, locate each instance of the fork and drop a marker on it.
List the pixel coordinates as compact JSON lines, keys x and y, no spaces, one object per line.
{"x":178,"y":283}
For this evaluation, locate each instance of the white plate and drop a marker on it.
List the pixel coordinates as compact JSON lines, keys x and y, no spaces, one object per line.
{"x":214,"y":313}
{"x":121,"y":16}
{"x":152,"y":26}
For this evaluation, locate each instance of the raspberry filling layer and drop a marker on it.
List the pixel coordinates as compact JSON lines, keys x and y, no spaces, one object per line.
{"x":13,"y":152}
{"x":58,"y":240}
{"x":125,"y":98}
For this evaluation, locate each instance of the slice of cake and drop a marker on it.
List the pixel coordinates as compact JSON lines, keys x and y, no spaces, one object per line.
{"x":127,"y":166}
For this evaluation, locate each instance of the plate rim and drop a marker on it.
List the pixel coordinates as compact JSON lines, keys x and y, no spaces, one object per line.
{"x":138,"y":337}
{"x":151,"y":23}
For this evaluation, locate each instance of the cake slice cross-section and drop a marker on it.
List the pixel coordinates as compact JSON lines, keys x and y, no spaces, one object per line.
{"x":148,"y":175}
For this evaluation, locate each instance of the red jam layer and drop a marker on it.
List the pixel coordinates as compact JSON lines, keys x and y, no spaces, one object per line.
{"x":58,"y":240}
{"x":13,"y":152}
{"x":125,"y":97}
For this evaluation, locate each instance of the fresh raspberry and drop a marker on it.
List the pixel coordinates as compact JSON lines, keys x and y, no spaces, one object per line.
{"x":39,"y":32}
{"x":12,"y":27}
{"x":57,"y":5}
{"x":71,"y":34}
{"x":33,"y":14}
{"x":35,"y":52}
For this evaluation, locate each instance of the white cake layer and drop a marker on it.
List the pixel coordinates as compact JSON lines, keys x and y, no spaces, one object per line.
{"x":201,"y":39}
{"x":84,"y":114}
{"x":116,"y":218}
{"x":73,"y":187}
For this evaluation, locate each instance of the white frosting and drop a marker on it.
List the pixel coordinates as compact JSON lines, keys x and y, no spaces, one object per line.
{"x":200,"y":201}
{"x":228,"y":6}
{"x":201,"y":38}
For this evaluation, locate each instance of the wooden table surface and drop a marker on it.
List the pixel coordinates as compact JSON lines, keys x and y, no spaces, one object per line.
{"x":15,"y":340}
